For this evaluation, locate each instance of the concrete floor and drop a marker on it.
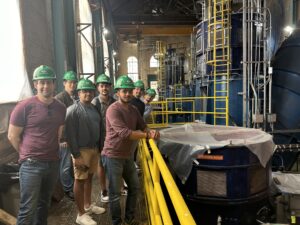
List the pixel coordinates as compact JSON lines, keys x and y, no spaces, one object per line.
{"x":65,"y":212}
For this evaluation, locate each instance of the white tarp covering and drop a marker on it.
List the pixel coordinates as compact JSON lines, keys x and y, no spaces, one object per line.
{"x":287,"y":182}
{"x":182,"y":144}
{"x":14,"y":84}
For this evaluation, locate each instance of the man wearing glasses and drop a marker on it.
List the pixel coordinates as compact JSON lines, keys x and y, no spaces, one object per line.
{"x":35,"y":129}
{"x":124,"y":126}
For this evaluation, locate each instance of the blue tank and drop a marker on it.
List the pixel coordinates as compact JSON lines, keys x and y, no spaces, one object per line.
{"x":235,"y":83}
{"x":286,"y":91}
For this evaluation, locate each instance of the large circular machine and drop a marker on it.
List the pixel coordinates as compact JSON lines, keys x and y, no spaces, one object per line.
{"x":222,"y":172}
{"x":286,"y":99}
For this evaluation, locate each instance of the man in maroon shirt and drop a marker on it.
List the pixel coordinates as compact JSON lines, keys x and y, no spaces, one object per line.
{"x":35,"y":129}
{"x":124,"y":126}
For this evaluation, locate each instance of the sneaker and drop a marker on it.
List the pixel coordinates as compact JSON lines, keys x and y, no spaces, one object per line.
{"x":104,"y":196}
{"x":70,"y":195}
{"x":124,"y":191}
{"x":94,"y":209}
{"x":85,"y":219}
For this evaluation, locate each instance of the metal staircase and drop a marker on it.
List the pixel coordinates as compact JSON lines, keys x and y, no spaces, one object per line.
{"x":219,"y":57}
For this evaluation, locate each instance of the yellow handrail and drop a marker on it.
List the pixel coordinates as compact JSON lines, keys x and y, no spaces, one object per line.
{"x":153,"y":166}
{"x":161,"y":108}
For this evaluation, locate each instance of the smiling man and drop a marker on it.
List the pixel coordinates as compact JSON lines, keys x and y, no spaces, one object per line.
{"x":83,"y":135}
{"x":35,"y":129}
{"x":102,"y":101}
{"x":124,"y":126}
{"x":148,"y":98}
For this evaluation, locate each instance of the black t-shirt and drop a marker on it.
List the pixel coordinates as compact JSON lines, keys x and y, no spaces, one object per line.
{"x":139,"y":104}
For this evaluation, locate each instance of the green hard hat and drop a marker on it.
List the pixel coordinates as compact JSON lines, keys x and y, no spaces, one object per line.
{"x":70,"y":75}
{"x":124,"y":82}
{"x":151,"y":92}
{"x":44,"y":73}
{"x":85,"y":84}
{"x":102,"y":78}
{"x":139,"y":84}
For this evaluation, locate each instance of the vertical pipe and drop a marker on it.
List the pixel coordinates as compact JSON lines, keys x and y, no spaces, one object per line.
{"x":98,"y":41}
{"x":250,"y":48}
{"x":110,"y":59}
{"x":265,"y":62}
{"x":78,"y":39}
{"x":244,"y":65}
{"x":70,"y":27}
{"x":59,"y":40}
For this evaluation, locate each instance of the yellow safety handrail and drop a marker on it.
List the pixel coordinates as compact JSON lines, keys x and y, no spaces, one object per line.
{"x":161,"y":109}
{"x":154,"y":166}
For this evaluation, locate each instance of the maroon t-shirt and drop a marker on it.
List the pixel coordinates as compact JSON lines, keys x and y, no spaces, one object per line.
{"x":120,"y":122}
{"x":40,"y":121}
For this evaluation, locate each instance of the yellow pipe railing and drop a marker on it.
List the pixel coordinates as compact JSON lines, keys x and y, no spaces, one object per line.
{"x":154,"y":166}
{"x":161,"y":108}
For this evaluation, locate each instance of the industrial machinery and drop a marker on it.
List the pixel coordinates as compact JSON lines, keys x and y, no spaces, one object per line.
{"x":223,"y":172}
{"x":232,"y":63}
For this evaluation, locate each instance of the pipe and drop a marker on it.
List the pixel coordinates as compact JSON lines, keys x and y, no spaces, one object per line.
{"x":265,"y":65}
{"x":244,"y":66}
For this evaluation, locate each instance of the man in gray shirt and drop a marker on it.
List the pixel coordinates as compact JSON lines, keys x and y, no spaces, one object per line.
{"x":102,"y":101}
{"x":83,"y":135}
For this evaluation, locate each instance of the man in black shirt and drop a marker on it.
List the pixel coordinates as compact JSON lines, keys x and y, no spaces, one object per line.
{"x":67,"y":97}
{"x":137,"y":94}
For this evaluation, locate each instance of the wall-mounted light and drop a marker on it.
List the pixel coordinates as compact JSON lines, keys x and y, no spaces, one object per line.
{"x":118,"y":64}
{"x":105,"y":31}
{"x":289,"y":29}
{"x":114,"y":53}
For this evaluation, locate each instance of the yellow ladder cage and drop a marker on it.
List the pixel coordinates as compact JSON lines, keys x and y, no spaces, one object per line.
{"x":219,"y":57}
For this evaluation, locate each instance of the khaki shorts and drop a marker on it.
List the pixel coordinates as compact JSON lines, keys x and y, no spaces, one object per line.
{"x":90,"y":158}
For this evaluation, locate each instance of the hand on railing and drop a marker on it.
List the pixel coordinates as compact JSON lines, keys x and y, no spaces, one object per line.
{"x":153,"y":134}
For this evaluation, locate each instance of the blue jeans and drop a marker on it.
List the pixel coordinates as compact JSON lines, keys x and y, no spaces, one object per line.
{"x":66,"y":169}
{"x":116,"y":169}
{"x":37,"y":183}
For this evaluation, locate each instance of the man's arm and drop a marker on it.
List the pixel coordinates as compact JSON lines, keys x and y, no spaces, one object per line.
{"x":14,"y":136}
{"x":137,"y":134}
{"x":72,"y":129}
{"x":60,"y":133}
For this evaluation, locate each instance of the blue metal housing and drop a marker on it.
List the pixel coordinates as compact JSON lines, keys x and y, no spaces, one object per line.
{"x":202,"y":83}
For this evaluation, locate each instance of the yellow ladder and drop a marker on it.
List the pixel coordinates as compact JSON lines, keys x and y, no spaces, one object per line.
{"x":218,"y":56}
{"x":160,"y":56}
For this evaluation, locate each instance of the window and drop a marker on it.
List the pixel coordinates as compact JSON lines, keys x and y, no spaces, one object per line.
{"x":132,"y":68}
{"x":153,"y":62}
